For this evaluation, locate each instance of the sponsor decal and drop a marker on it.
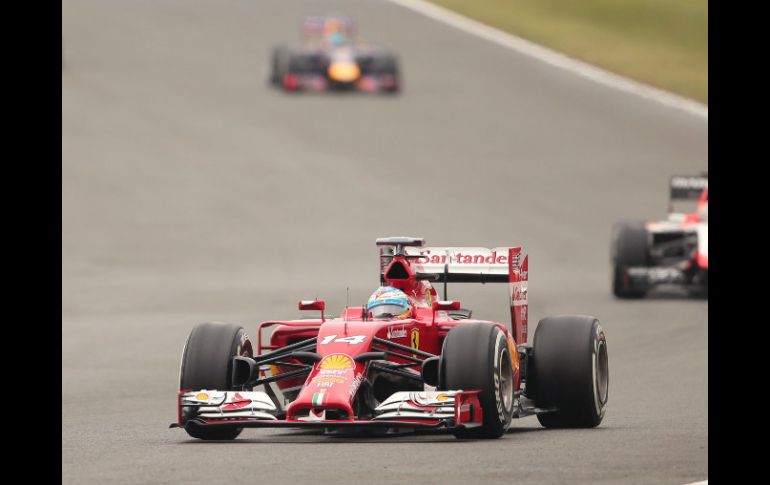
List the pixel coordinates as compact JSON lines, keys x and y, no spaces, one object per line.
{"x":689,"y":182}
{"x":459,"y":258}
{"x":202,"y":396}
{"x":356,"y":383}
{"x":237,"y":402}
{"x":442,"y":397}
{"x":415,"y":339}
{"x":336,"y":362}
{"x":396,"y":332}
{"x":519,"y":293}
{"x":432,"y":259}
{"x":332,"y":372}
{"x":318,"y":398}
{"x":327,"y":382}
{"x":331,"y":380}
{"x":515,"y":261}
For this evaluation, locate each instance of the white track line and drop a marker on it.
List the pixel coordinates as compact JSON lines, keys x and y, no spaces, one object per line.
{"x":554,"y":58}
{"x":704,"y":482}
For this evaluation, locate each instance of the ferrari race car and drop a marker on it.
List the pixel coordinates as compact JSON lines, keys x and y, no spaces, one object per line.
{"x":375,"y":368}
{"x":330,"y":57}
{"x":648,"y":254}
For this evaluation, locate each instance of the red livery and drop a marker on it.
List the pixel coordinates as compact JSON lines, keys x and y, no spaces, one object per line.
{"x":405,"y":361}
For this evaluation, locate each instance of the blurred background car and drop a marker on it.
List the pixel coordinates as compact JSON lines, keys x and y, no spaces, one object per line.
{"x":330,"y":56}
{"x":674,"y":251}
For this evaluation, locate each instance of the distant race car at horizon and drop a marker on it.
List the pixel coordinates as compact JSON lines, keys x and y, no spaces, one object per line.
{"x":331,"y":56}
{"x":404,"y":361}
{"x":649,"y":254}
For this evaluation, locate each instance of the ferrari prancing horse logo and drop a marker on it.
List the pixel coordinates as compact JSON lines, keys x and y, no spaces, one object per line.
{"x":415,"y":339}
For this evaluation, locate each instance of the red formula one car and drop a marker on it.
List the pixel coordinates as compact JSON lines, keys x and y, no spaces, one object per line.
{"x":406,"y":361}
{"x":672,"y":252}
{"x":331,"y":57}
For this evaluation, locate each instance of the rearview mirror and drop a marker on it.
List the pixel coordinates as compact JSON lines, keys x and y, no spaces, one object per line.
{"x":313,"y":305}
{"x":446,"y":305}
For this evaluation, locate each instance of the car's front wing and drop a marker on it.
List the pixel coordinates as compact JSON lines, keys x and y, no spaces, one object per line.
{"x":254,"y":409}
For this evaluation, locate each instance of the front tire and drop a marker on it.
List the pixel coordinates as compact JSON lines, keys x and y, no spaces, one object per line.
{"x":570,"y":371}
{"x":279,"y":64}
{"x":388,"y":65}
{"x":477,"y":356}
{"x":207,"y":362}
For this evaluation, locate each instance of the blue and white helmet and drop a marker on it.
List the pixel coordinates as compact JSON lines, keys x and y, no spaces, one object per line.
{"x":337,"y":39}
{"x":389,"y":302}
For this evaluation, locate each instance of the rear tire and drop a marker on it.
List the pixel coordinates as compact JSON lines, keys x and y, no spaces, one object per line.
{"x":570,"y":371}
{"x":631,"y":248}
{"x":477,"y":356}
{"x":207,"y":362}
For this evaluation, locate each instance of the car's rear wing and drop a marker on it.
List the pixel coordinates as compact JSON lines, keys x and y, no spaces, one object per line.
{"x":686,"y":188}
{"x":467,"y":265}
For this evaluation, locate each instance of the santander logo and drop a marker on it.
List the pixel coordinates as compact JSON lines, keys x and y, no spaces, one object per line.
{"x":490,"y":257}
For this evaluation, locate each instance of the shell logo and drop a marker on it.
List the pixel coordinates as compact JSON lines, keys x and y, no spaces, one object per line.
{"x":336,"y":361}
{"x":201,"y":396}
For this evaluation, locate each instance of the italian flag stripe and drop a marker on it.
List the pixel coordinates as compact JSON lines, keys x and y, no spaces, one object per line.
{"x":318,"y":398}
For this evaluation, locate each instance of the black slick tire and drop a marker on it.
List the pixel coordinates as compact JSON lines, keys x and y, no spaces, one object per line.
{"x":477,"y":356}
{"x":207,"y":364}
{"x":630,"y":249}
{"x":570,"y":371}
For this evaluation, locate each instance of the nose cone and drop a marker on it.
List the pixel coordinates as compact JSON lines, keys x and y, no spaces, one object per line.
{"x":344,"y":72}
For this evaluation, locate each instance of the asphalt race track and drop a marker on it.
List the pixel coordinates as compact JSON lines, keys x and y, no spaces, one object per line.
{"x":191,"y":191}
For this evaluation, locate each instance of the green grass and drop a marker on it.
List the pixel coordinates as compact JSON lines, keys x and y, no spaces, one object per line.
{"x":663,"y":43}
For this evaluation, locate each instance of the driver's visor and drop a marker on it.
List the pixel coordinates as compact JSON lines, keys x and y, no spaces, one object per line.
{"x":389,"y":311}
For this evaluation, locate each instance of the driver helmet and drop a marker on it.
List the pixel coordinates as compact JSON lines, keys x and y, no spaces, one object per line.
{"x":337,"y":39}
{"x":389,"y":302}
